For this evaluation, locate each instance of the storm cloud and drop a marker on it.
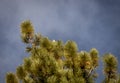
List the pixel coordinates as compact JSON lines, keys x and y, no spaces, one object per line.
{"x":90,"y":23}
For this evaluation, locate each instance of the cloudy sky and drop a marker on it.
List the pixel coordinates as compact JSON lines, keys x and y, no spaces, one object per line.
{"x":90,"y":23}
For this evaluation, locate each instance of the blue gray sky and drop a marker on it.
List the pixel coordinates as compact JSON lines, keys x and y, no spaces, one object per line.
{"x":90,"y":23}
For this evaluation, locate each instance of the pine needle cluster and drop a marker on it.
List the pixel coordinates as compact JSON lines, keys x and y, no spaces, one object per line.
{"x":110,"y":68}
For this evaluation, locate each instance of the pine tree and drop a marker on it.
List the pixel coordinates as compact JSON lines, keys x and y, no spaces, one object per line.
{"x":52,"y":61}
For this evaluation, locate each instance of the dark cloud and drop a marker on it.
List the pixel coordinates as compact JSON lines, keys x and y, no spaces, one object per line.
{"x":91,"y":23}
